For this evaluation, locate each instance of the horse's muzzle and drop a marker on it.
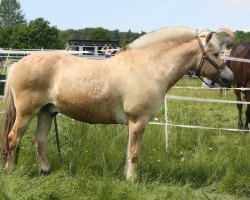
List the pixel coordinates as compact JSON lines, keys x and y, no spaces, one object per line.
{"x":226,"y":83}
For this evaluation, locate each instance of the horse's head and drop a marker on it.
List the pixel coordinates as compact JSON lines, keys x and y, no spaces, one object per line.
{"x":210,"y":65}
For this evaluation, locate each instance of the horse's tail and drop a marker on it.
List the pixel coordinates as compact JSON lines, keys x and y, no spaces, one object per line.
{"x":9,"y":116}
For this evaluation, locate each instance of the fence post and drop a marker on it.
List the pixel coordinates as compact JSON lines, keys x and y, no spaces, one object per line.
{"x":5,"y":65}
{"x":166,"y":120}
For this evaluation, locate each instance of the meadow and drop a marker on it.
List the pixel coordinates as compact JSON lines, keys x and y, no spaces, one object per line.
{"x":198,"y":164}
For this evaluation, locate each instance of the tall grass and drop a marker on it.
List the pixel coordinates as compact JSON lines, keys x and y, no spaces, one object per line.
{"x":199,"y":164}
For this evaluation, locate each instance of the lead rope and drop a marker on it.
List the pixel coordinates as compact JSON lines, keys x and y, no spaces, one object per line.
{"x":53,"y":115}
{"x":208,"y":84}
{"x":57,"y":138}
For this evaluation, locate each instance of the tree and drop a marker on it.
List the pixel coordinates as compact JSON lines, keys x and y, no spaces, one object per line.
{"x":99,"y":34}
{"x":242,"y":36}
{"x":128,"y":37}
{"x":5,"y":34}
{"x":37,"y":34}
{"x":11,"y":13}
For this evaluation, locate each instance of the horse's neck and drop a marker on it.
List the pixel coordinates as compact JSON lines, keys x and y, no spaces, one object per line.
{"x":174,"y":62}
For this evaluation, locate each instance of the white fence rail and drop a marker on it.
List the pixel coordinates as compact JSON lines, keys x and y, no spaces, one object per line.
{"x":235,"y":59}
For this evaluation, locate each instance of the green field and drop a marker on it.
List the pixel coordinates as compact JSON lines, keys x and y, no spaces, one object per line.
{"x":199,"y":164}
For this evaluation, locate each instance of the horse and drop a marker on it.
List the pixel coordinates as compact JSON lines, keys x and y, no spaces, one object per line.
{"x":128,"y":88}
{"x":241,"y":72}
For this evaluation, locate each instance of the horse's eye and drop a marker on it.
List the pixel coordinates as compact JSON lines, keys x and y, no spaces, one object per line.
{"x":216,"y":54}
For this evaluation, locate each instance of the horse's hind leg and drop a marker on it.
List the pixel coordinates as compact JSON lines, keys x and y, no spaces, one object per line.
{"x":41,"y":135}
{"x":21,"y":124}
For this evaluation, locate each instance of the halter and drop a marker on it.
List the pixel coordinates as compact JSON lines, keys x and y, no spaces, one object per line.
{"x":206,"y":57}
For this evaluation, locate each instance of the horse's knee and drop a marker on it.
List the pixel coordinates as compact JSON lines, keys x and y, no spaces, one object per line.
{"x":133,"y":156}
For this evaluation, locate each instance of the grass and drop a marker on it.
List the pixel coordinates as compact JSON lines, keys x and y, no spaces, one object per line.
{"x":199,"y":164}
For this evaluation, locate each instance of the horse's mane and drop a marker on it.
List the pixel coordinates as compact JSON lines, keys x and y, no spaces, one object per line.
{"x":173,"y":34}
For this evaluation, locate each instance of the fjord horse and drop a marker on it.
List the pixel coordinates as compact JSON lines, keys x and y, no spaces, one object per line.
{"x":241,"y":72}
{"x":128,"y":88}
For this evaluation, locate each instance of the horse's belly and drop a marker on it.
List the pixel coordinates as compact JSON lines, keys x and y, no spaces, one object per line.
{"x":102,"y":113}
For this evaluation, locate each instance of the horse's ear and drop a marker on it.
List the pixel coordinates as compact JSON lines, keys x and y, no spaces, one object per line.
{"x":209,"y":36}
{"x":225,"y":37}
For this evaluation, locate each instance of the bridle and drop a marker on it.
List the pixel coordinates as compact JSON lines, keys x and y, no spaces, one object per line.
{"x":206,"y":57}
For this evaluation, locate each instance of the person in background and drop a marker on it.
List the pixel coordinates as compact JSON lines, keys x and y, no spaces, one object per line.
{"x":107,"y":50}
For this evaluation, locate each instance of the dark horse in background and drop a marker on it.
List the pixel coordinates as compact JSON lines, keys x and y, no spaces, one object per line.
{"x":241,"y":72}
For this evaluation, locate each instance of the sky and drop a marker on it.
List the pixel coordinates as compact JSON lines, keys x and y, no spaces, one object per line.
{"x":141,"y":15}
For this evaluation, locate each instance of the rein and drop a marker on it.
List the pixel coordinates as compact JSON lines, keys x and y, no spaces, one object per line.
{"x":206,"y":57}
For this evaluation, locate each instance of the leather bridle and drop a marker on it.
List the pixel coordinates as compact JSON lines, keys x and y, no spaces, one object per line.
{"x":206,"y":57}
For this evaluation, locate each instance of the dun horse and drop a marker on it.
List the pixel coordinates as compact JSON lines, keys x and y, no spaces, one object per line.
{"x":241,"y":72}
{"x":128,"y":88}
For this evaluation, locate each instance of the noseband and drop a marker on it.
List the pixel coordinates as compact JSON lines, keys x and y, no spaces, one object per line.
{"x":206,"y":57}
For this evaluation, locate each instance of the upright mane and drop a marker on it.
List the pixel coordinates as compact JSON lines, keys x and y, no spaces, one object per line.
{"x":173,"y":34}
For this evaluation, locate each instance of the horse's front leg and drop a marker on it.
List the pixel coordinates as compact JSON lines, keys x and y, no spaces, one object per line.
{"x":246,"y":127}
{"x":239,"y":108}
{"x":136,"y":130}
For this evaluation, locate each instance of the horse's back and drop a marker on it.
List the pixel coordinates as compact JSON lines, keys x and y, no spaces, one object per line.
{"x":41,"y":70}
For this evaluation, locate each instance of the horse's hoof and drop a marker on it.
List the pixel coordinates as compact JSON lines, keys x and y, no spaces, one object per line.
{"x":45,"y":172}
{"x":246,"y":129}
{"x":240,"y":126}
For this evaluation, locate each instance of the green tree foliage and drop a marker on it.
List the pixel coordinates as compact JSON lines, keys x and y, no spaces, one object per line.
{"x":37,"y":34}
{"x":100,"y":34}
{"x":128,"y":37}
{"x":242,"y":36}
{"x":5,"y":35}
{"x":11,"y":13}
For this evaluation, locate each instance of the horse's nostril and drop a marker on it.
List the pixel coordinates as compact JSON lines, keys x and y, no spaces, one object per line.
{"x":225,"y":80}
